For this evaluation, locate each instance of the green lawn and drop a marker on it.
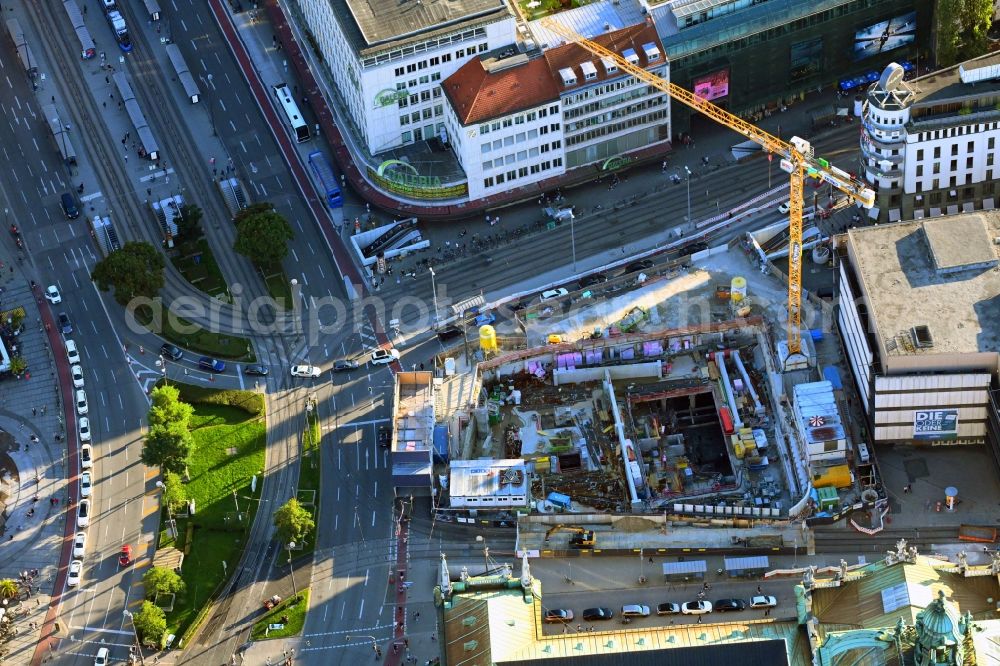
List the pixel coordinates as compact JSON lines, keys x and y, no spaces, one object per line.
{"x":278,"y":286}
{"x":200,"y":341}
{"x":548,"y":7}
{"x":197,"y":264}
{"x":228,"y":452}
{"x":309,"y":473}
{"x":296,"y":613}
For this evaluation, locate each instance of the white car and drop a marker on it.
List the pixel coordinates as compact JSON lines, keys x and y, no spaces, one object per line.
{"x":86,"y":453}
{"x":555,"y":293}
{"x":102,"y":657}
{"x":85,"y":484}
{"x":77,"y":373}
{"x":305,"y":371}
{"x":696,"y":607}
{"x":79,"y":545}
{"x":75,"y":573}
{"x":784,"y":208}
{"x":384,"y":356}
{"x":81,"y":402}
{"x":52,"y":294}
{"x":763,"y":601}
{"x":83,"y":514}
{"x":84,"y":429}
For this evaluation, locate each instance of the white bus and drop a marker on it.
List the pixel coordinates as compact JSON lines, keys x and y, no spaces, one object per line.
{"x":291,"y":110}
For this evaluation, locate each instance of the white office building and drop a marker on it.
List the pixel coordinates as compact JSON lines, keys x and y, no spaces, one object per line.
{"x":929,"y":145}
{"x":388,"y":60}
{"x":521,"y":118}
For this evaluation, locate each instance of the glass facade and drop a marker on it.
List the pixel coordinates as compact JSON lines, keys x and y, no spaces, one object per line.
{"x":775,"y":51}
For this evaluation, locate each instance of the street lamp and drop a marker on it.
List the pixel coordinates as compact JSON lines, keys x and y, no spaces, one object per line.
{"x":127,"y":613}
{"x":435,"y":292}
{"x":291,"y":569}
{"x":688,"y":171}
{"x":208,"y":98}
{"x":486,"y":553}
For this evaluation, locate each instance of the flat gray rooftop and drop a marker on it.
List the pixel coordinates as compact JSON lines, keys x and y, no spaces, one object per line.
{"x":382,"y":21}
{"x":905,"y":289}
{"x":946,"y":83}
{"x":959,"y":244}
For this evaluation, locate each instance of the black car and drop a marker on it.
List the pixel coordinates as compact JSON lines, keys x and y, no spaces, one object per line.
{"x":641,"y":265}
{"x":345,"y":365}
{"x":449,"y":332}
{"x":255,"y":370}
{"x":724,"y":605}
{"x":384,"y":436}
{"x":598,"y":614}
{"x":592,"y":279}
{"x":65,"y":325}
{"x":173,"y":352}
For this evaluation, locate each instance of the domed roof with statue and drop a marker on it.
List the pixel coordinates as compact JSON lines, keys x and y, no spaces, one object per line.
{"x":940,"y":632}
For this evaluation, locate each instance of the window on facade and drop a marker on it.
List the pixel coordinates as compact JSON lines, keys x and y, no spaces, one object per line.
{"x":436,"y":76}
{"x":920,"y":154}
{"x":422,"y":64}
{"x":412,"y":67}
{"x":554,"y":109}
{"x":970,"y":147}
{"x":557,"y":162}
{"x":425,"y":95}
{"x":542,"y":113}
{"x":519,"y":120}
{"x":522,"y":172}
{"x":920,"y":170}
{"x":545,"y":147}
{"x":460,"y":53}
{"x":535,"y":168}
{"x":485,"y":148}
{"x":498,"y":162}
{"x":424,"y":80}
{"x":487,"y":165}
{"x":488,"y":182}
{"x":544,"y":129}
{"x":507,"y":122}
{"x":533,"y":134}
{"x":508,"y":141}
{"x":446,"y":57}
{"x":407,"y":137}
{"x":511,"y":175}
{"x":555,"y":127}
{"x":954,"y":165}
{"x":412,"y":83}
{"x":508,"y":159}
{"x":428,"y":114}
{"x":520,"y":137}
{"x":438,"y":110}
{"x":968,"y":162}
{"x":435,"y":61}
{"x":414,"y":100}
{"x":403,"y":103}
{"x":937,"y":152}
{"x":954,"y":149}
{"x":497,"y":144}
{"x":404,"y":119}
{"x":991,"y":143}
{"x":989,"y":160}
{"x":495,"y":126}
{"x":522,"y":155}
{"x":556,"y":144}
{"x":546,"y":165}
{"x":400,"y":71}
{"x":484,"y":129}
{"x":500,"y":178}
{"x":532,"y":116}
{"x":484,"y":47}
{"x":415,"y":116}
{"x":936,"y":168}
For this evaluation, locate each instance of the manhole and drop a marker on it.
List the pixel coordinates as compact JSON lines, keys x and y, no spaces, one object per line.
{"x":231,"y":451}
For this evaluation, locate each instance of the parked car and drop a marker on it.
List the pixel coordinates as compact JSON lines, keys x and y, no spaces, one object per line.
{"x":592,"y":279}
{"x":102,"y":657}
{"x":559,"y":615}
{"x":75,"y":574}
{"x":449,"y":332}
{"x":173,"y":352}
{"x":86,"y":457}
{"x":635,"y":610}
{"x":485,"y":319}
{"x":591,"y":614}
{"x":52,"y":294}
{"x":384,"y":356}
{"x":79,"y":545}
{"x":85,"y":484}
{"x":784,"y":208}
{"x":84,"y":424}
{"x":211,"y":364}
{"x":763,"y":601}
{"x":125,"y":556}
{"x":727,"y":605}
{"x":344,"y":365}
{"x":305,"y":371}
{"x":65,"y":325}
{"x":696,"y":607}
{"x":83,"y":513}
{"x":668,"y":609}
{"x":255,"y":370}
{"x":554,"y":293}
{"x":72,"y":353}
{"x":641,"y":265}
{"x":77,"y":372}
{"x":81,"y":402}
{"x":384,"y":436}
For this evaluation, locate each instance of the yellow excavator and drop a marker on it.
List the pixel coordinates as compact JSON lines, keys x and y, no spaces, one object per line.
{"x":581,"y":538}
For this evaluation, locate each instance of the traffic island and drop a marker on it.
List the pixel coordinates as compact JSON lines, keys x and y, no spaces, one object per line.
{"x":193,"y":337}
{"x":284,"y":620}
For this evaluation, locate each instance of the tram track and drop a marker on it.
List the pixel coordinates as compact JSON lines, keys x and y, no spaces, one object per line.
{"x":844,"y":539}
{"x":124,"y":207}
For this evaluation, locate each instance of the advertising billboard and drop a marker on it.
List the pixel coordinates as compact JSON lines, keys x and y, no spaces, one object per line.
{"x":712,"y":86}
{"x":885,"y":36}
{"x":935,"y":424}
{"x":806,"y":59}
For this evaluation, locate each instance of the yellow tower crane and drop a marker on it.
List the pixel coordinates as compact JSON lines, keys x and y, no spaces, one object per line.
{"x":797,"y":159}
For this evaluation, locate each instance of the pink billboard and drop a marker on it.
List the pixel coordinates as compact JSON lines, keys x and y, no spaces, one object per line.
{"x":712,"y":86}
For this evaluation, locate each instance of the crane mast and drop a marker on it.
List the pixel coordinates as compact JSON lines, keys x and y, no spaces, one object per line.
{"x":797,"y":160}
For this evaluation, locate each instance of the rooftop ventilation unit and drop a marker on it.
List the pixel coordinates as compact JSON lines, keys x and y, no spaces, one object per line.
{"x":922,"y":336}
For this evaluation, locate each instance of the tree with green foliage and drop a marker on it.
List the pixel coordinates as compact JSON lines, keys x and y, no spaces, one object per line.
{"x":962,"y":27}
{"x":174,"y":492}
{"x":189,"y":222}
{"x":167,"y":446}
{"x":18,"y":365}
{"x":293,"y":521}
{"x":262,"y":235}
{"x":166,"y":407}
{"x":150,"y":623}
{"x":136,"y":270}
{"x":160,"y":580}
{"x":8,"y":588}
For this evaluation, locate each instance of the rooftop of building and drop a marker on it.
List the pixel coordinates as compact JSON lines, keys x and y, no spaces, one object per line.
{"x":414,"y":411}
{"x":589,"y":20}
{"x":374,"y":25}
{"x":628,"y":42}
{"x":900,"y":268}
{"x":487,"y":88}
{"x":487,"y":478}
{"x":946,"y":84}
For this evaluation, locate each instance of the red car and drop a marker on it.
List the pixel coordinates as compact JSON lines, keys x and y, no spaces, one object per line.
{"x":125,"y":557}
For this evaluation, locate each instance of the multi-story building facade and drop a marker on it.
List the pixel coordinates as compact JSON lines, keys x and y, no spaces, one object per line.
{"x":929,"y":146}
{"x":525,"y":118}
{"x":388,"y":60}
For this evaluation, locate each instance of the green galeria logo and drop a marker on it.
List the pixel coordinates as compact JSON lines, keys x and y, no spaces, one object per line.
{"x":389,"y":96}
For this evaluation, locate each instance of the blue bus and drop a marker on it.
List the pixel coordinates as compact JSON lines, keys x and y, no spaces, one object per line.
{"x":323,"y":170}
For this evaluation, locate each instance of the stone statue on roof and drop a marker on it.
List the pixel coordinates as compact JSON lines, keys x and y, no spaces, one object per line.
{"x":842,"y":574}
{"x":963,"y":560}
{"x":809,"y":577}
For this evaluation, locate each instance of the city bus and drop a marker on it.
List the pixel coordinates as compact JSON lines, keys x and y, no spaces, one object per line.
{"x":291,"y":112}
